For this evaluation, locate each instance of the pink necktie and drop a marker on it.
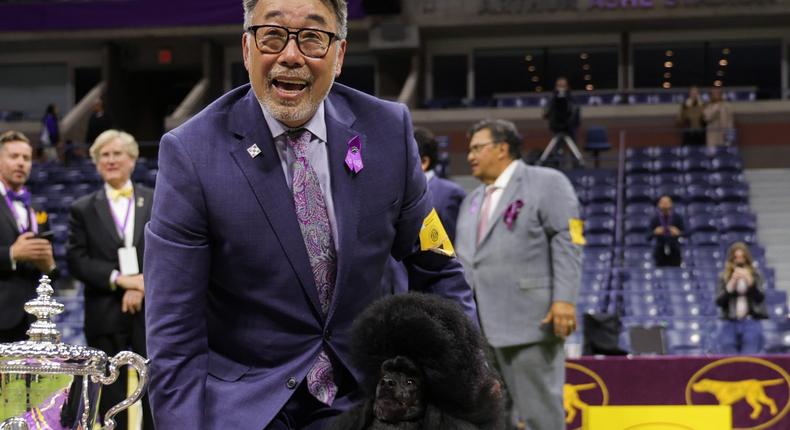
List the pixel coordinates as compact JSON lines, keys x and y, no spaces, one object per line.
{"x":484,"y":213}
{"x":313,"y":220}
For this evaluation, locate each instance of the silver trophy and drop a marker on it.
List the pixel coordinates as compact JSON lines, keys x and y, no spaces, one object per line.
{"x":46,"y":384}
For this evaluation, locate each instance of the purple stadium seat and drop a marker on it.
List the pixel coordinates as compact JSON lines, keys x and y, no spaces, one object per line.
{"x":705,"y":238}
{"x":608,"y":209}
{"x":700,"y":208}
{"x":702,"y":222}
{"x":725,"y":162}
{"x":725,"y":179}
{"x":636,"y":239}
{"x":599,"y":224}
{"x":602,"y":195}
{"x":637,"y":224}
{"x":732,"y":194}
{"x":667,"y":179}
{"x":731,"y":237}
{"x":639,"y":193}
{"x":638,"y":179}
{"x":699,"y":193}
{"x":638,"y":166}
{"x":739,"y":222}
{"x":686,"y":342}
{"x":733,"y":208}
{"x":675,"y":191}
{"x":663,"y":165}
{"x":696,"y":165}
{"x":640,"y":210}
{"x":594,"y":240}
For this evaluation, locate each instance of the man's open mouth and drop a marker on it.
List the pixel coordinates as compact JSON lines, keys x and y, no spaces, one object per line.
{"x":289,"y":85}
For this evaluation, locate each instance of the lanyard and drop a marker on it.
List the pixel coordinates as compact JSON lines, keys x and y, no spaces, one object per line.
{"x":122,"y":227}
{"x":666,"y":221}
{"x":31,"y":224}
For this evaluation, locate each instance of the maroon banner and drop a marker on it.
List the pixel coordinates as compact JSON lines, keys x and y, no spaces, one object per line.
{"x":757,"y":387}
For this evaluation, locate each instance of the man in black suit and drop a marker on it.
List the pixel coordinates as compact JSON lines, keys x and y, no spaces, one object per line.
{"x":105,"y":252}
{"x":23,"y":255}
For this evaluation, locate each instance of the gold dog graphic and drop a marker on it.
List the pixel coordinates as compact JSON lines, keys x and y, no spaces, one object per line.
{"x":730,"y":392}
{"x":571,"y":400}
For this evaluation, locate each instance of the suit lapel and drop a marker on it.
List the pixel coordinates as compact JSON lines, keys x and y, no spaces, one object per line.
{"x":142,"y":206}
{"x":265,"y":176}
{"x":102,"y":207}
{"x":344,"y":190}
{"x":8,"y":216}
{"x":512,"y":189}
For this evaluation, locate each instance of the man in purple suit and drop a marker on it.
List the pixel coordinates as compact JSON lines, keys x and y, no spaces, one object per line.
{"x":275,"y":211}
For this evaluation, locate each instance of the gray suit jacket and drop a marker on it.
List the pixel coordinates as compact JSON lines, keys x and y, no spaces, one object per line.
{"x":517,"y":273}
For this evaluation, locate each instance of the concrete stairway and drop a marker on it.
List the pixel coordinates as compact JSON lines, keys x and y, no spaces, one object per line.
{"x":770,"y":200}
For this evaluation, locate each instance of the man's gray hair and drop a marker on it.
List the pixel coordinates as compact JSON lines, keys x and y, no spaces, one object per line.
{"x":501,"y":131}
{"x":340,"y":7}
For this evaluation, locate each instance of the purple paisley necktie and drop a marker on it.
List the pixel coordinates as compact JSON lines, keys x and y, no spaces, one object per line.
{"x":313,"y":219}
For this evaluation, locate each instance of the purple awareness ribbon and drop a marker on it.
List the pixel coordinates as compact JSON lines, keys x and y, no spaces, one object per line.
{"x":511,"y":213}
{"x":354,"y":155}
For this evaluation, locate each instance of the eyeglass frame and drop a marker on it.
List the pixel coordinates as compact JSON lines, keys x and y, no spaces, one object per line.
{"x":253,"y":29}
{"x":478,"y":147}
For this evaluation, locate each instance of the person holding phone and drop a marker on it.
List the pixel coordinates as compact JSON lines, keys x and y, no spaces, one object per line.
{"x":23,"y":256}
{"x":105,"y":252}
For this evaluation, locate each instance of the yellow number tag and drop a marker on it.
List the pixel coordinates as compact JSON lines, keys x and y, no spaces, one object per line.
{"x":576,"y":227}
{"x":41,"y":217}
{"x":433,"y":237}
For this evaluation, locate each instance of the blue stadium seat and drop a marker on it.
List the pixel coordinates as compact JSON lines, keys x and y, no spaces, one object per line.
{"x":686,"y":342}
{"x":676,"y":192}
{"x":594,"y":240}
{"x":732,"y":194}
{"x":726,"y":178}
{"x":608,"y":209}
{"x":639,"y":224}
{"x":727,"y":162}
{"x":638,"y":166}
{"x":640,"y":209}
{"x":636,"y":239}
{"x":602,"y":195}
{"x":667,"y":179}
{"x":639,"y":194}
{"x":702,"y":222}
{"x":639,"y":179}
{"x":599,"y":224}
{"x":739,"y":222}
{"x":699,"y":193}
{"x":705,"y":238}
{"x":700,"y":208}
{"x":725,"y":208}
{"x":696,"y":165}
{"x":667,"y":166}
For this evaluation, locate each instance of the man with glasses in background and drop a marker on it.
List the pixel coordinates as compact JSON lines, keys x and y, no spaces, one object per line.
{"x":275,"y":211}
{"x":519,"y":240}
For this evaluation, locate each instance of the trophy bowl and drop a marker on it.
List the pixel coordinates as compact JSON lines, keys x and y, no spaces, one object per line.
{"x":46,"y":384}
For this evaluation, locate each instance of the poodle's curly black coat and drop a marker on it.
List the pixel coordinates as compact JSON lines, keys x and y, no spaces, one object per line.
{"x":462,"y":391}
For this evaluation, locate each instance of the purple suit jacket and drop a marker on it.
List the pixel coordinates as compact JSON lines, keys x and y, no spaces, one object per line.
{"x":232,"y":311}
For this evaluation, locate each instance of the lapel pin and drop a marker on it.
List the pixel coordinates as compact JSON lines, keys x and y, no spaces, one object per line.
{"x":140,"y":202}
{"x":254,"y":151}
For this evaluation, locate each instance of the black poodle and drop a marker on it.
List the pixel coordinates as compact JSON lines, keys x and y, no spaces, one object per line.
{"x":425,"y":368}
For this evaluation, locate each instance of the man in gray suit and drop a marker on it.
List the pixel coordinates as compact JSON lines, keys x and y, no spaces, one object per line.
{"x":519,"y":240}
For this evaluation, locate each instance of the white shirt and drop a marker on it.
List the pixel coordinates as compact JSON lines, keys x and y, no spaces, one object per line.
{"x":317,"y":156}
{"x":118,"y":209}
{"x":499,"y":187}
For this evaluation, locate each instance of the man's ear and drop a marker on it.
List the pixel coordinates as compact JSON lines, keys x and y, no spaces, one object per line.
{"x":245,"y":49}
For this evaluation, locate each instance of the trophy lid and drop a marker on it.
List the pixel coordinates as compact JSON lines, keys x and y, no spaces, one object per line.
{"x":44,"y":352}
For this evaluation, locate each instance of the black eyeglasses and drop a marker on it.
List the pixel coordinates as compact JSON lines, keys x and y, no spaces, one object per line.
{"x":272,"y":39}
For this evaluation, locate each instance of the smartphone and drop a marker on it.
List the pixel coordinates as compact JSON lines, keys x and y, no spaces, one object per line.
{"x":48,"y":235}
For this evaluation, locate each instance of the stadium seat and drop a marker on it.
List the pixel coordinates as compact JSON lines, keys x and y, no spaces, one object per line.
{"x":639,"y":194}
{"x":597,"y":142}
{"x":599,"y":224}
{"x":701,"y":222}
{"x":639,"y":224}
{"x":739,"y":222}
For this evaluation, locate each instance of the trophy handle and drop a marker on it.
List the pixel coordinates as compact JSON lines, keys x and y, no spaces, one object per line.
{"x":140,"y":364}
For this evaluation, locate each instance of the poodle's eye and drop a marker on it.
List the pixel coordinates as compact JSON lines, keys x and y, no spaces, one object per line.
{"x":410,"y":382}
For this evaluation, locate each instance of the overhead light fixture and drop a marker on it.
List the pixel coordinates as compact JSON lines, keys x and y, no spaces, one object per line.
{"x":668,"y":64}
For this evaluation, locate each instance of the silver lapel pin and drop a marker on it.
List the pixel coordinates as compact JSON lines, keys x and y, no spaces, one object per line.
{"x":140,"y":202}
{"x":253,"y":150}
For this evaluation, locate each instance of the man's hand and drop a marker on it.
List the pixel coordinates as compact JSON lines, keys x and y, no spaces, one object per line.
{"x":563,"y":316}
{"x":131,"y":282}
{"x":30,"y":249}
{"x":132,"y":302}
{"x":659,"y":231}
{"x":674,"y":231}
{"x":33,"y":250}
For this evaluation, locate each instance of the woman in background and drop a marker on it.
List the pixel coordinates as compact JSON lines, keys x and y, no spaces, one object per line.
{"x":741,"y":297}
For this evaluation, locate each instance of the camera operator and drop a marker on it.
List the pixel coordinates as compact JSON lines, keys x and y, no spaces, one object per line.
{"x":564,"y":117}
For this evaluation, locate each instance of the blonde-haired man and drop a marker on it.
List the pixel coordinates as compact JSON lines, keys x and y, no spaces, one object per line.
{"x":24,"y":255}
{"x":105,"y":252}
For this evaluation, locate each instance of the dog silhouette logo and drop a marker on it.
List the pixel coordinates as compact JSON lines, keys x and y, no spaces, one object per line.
{"x":757,"y":390}
{"x":584,"y":388}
